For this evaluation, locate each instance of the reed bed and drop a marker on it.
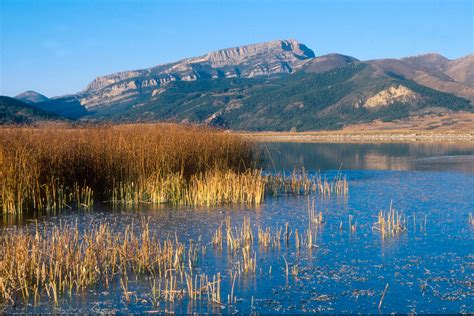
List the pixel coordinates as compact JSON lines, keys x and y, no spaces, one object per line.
{"x":299,"y":182}
{"x":214,"y":187}
{"x":63,"y":260}
{"x":53,"y":168}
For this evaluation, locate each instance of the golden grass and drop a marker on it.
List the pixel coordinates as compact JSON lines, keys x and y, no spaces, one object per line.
{"x":299,"y":182}
{"x":62,"y":260}
{"x":55,"y":167}
{"x":52,"y":168}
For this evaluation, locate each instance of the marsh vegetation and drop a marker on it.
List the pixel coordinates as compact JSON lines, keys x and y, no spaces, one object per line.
{"x":53,"y":168}
{"x":201,"y":231}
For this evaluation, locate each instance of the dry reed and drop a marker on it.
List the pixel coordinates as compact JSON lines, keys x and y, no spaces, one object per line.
{"x":391,"y":223}
{"x":62,"y":260}
{"x":300,"y":182}
{"x":57,"y":167}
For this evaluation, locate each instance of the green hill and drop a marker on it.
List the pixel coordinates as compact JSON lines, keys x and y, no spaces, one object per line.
{"x":13,"y":111}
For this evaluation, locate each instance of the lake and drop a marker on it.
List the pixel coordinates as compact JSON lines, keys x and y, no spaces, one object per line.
{"x":349,"y":266}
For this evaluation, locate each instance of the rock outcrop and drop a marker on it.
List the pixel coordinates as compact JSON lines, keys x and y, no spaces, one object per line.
{"x":391,"y":95}
{"x":277,"y":57}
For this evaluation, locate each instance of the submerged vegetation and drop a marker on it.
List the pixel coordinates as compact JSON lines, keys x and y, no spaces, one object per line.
{"x":51,"y":261}
{"x":62,"y":260}
{"x":391,"y":223}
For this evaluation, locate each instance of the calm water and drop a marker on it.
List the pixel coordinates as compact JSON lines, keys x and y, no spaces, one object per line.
{"x":427,"y":270}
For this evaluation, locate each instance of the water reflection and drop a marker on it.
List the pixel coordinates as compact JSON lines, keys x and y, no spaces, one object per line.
{"x":389,"y":156}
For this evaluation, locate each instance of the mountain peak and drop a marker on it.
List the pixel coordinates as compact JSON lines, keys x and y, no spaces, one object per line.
{"x":284,"y":50}
{"x":248,"y":61}
{"x":31,"y":97}
{"x":328,"y":62}
{"x":428,"y":59}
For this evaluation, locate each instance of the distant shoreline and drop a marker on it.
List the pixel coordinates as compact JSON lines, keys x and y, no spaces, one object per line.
{"x":360,"y":136}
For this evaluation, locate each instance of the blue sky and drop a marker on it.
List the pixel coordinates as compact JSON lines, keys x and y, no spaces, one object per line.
{"x":57,"y":46}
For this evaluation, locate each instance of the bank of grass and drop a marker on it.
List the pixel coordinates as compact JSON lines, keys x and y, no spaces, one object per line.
{"x":57,"y":167}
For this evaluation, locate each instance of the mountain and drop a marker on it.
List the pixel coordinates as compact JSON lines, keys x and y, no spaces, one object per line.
{"x":350,"y":94}
{"x":65,"y":106}
{"x":434,"y":71}
{"x":31,"y":97}
{"x":275,"y":85}
{"x":13,"y":111}
{"x":283,"y":56}
{"x":68,"y":106}
{"x":461,"y":70}
{"x":328,"y":62}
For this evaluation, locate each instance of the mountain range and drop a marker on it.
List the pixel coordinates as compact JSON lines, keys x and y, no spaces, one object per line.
{"x":278,"y":85}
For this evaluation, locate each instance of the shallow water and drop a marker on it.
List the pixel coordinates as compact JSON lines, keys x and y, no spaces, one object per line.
{"x":428,"y":269}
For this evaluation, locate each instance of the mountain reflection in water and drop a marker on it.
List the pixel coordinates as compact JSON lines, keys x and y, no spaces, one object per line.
{"x":383,"y":156}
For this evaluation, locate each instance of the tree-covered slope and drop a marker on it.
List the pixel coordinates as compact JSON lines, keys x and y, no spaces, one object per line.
{"x":13,"y":111}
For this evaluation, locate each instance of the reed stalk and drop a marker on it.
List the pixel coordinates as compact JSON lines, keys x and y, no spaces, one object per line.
{"x":52,"y":168}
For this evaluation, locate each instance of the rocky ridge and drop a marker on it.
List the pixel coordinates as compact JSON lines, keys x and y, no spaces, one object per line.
{"x":270,"y":58}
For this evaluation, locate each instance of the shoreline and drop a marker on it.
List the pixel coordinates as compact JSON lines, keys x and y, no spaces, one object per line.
{"x":361,"y":136}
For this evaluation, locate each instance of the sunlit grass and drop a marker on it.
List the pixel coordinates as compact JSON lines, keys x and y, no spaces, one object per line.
{"x":53,"y":168}
{"x":300,"y":182}
{"x":391,"y":223}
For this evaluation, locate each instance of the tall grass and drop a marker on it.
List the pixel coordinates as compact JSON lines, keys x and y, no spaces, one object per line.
{"x":391,"y":223}
{"x":55,"y":167}
{"x":62,"y":260}
{"x":300,"y":182}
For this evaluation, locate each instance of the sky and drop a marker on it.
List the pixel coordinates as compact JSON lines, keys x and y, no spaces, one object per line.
{"x":57,"y":47}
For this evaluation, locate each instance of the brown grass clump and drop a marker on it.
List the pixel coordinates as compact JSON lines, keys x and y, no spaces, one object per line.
{"x":391,"y":223}
{"x":55,"y":167}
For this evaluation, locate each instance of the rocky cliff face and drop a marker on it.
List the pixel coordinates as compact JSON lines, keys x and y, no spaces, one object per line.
{"x":390,"y":96}
{"x":282,"y":56}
